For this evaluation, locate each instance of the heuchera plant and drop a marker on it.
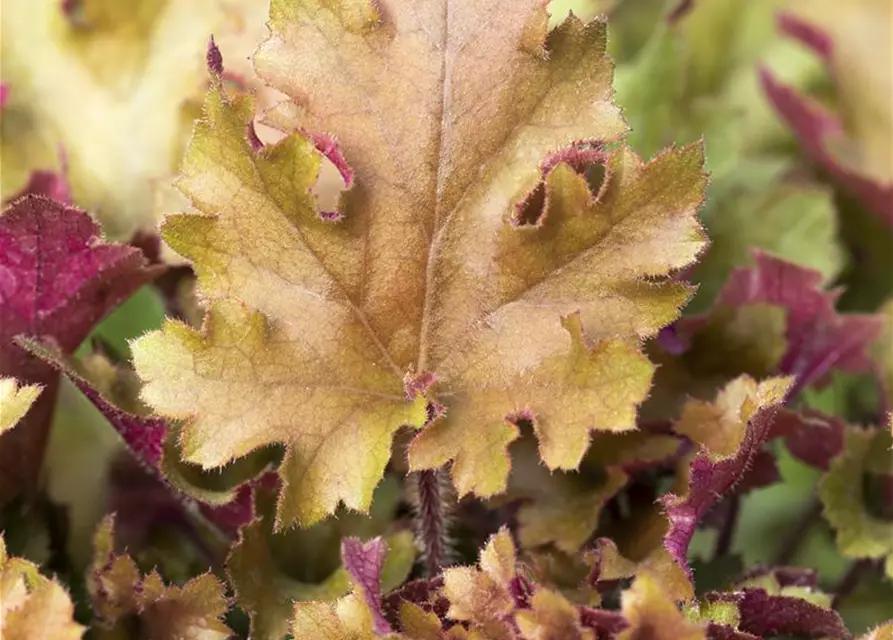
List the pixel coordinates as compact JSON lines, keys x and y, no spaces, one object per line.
{"x":428,"y":369}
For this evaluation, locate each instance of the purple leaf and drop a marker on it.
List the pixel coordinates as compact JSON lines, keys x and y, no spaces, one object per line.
{"x":810,"y":436}
{"x":58,"y":280}
{"x":363,"y":562}
{"x":763,"y":614}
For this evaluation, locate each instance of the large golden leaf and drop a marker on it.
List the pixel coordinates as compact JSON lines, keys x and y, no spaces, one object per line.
{"x":474,"y":267}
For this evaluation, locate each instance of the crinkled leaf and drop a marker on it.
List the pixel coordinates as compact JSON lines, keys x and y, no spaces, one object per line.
{"x":33,"y":607}
{"x":57,"y":279}
{"x":419,"y":624}
{"x":731,"y":431}
{"x":483,"y":596}
{"x":784,"y":611}
{"x":607,"y":566}
{"x":100,"y":84}
{"x":308,"y":312}
{"x":853,"y":146}
{"x":558,"y":507}
{"x":347,"y":619}
{"x":551,"y":617}
{"x":860,"y":532}
{"x":15,"y":401}
{"x":652,"y":613}
{"x":119,"y":593}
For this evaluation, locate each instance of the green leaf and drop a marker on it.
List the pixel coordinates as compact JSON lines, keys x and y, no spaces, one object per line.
{"x":860,"y":533}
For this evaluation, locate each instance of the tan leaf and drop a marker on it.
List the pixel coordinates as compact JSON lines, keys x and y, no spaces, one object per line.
{"x":119,"y":591}
{"x":33,"y":607}
{"x":653,"y":614}
{"x":473,"y":267}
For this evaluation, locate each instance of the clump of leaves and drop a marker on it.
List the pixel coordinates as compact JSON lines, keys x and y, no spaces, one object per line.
{"x":424,"y":373}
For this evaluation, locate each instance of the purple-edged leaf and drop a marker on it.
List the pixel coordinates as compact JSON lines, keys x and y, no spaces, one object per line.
{"x":823,"y":134}
{"x":145,"y":438}
{"x":363,"y":562}
{"x":731,"y":431}
{"x":765,"y":615}
{"x":57,"y":279}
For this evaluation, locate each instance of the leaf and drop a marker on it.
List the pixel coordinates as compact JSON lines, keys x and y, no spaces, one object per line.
{"x":51,"y":184}
{"x":558,"y":507}
{"x":418,"y":624}
{"x":58,"y":280}
{"x":818,"y":338}
{"x":33,"y":607}
{"x":482,"y":596}
{"x":852,"y":146}
{"x":309,"y":300}
{"x":15,"y":401}
{"x":794,"y":222}
{"x":551,"y":617}
{"x":118,"y":592}
{"x":263,"y":567}
{"x":146,"y":438}
{"x":860,"y":533}
{"x":496,"y":598}
{"x":882,"y":632}
{"x":730,"y":431}
{"x":653,"y":614}
{"x":767,"y":608}
{"x":121,"y":81}
{"x":695,"y":78}
{"x":357,"y":615}
{"x":607,"y":566}
{"x":810,"y":436}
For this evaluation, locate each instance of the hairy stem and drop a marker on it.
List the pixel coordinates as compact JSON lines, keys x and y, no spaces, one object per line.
{"x":791,"y":543}
{"x":431,"y":514}
{"x":727,"y":532}
{"x":850,"y":581}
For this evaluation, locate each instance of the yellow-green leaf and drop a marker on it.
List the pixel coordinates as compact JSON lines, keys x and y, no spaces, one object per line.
{"x":15,"y":400}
